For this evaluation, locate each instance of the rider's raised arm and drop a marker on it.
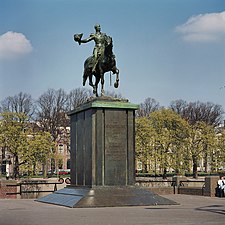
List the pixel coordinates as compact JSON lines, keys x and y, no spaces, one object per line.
{"x":90,"y":38}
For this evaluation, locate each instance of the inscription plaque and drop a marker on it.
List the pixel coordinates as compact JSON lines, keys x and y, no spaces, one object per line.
{"x":115,"y":147}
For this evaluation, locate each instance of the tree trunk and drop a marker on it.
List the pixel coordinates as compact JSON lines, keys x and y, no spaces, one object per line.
{"x":195,"y":168}
{"x":206,"y":159}
{"x":34,"y":169}
{"x":44,"y":169}
{"x":164,"y":173}
{"x":206,"y":164}
{"x":16,"y":167}
{"x":145,"y":168}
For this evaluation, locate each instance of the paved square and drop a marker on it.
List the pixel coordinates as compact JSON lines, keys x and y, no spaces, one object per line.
{"x":193,"y":210}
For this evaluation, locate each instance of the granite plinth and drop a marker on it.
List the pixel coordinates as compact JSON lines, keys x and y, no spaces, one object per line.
{"x":102,"y":143}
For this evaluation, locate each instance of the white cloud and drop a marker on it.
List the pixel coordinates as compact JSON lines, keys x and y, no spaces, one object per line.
{"x":14,"y":44}
{"x":204,"y":27}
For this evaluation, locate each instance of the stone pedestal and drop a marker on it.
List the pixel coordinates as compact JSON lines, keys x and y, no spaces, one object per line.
{"x":102,"y":143}
{"x":102,"y":158}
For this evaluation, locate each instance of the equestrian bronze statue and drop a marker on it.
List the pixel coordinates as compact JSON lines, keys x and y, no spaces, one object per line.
{"x":102,"y":61}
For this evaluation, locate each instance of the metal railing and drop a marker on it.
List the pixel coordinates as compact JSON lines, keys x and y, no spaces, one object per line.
{"x":28,"y":184}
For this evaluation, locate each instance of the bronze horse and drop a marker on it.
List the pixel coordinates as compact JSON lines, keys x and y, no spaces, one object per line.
{"x":106,"y":63}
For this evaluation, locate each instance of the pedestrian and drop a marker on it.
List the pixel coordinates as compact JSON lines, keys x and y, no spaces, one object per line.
{"x":221,"y":187}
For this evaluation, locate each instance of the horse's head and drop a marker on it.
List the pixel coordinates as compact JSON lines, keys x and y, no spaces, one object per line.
{"x":108,"y":40}
{"x":108,"y":46}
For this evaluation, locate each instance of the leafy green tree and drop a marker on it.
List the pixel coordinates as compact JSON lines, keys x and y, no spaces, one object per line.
{"x":218,"y":153}
{"x":160,"y":140}
{"x":26,"y":147}
{"x":172,"y":132}
{"x":39,"y":151}
{"x":14,"y":137}
{"x":145,"y":140}
{"x":201,"y":142}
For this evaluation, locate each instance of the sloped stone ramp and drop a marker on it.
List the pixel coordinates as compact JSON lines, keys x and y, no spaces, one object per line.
{"x":77,"y":197}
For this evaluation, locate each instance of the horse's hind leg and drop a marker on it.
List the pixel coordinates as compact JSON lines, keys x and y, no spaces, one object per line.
{"x":102,"y":85}
{"x":95,"y":90}
{"x":90,"y":80}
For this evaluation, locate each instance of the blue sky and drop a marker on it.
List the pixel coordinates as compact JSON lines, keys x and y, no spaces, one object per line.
{"x":165,"y":49}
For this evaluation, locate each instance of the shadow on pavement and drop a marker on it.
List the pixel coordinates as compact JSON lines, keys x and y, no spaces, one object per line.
{"x":213,"y":209}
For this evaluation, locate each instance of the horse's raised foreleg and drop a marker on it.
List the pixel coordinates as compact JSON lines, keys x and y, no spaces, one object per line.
{"x":116,"y":71}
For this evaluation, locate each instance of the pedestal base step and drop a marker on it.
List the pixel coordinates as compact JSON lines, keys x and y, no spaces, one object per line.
{"x":77,"y":197}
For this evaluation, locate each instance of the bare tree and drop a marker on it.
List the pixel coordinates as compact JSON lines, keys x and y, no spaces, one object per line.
{"x":51,"y":111}
{"x":149,"y":105}
{"x":77,"y":96}
{"x":179,"y":106}
{"x":20,"y":103}
{"x":194,"y":112}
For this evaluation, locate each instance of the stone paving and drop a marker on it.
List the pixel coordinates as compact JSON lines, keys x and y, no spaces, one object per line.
{"x":192,"y":210}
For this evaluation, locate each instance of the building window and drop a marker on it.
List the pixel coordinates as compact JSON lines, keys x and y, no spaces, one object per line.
{"x":68,"y":164}
{"x":139,"y":166}
{"x":61,"y":148}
